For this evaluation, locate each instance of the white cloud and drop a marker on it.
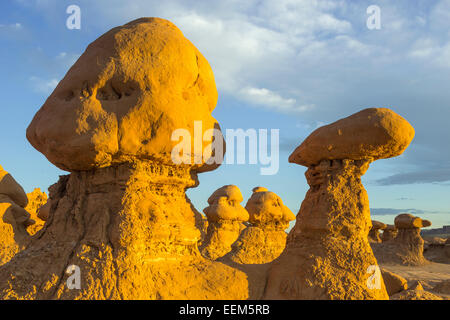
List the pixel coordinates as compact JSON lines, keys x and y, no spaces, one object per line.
{"x":43,"y":86}
{"x":267,"y":98}
{"x":12,"y":26}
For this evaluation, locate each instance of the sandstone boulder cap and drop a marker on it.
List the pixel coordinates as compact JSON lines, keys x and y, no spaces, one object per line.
{"x":224,"y":204}
{"x":267,"y":207}
{"x":10,"y":188}
{"x":408,"y":221}
{"x":378,"y":225}
{"x":123,"y":99}
{"x":374,"y":133}
{"x":259,"y":189}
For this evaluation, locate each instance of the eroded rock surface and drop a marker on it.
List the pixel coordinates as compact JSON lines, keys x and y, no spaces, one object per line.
{"x":14,"y":219}
{"x":408,"y":246}
{"x":389,"y":233}
{"x":328,"y":255}
{"x":265,"y":238}
{"x":374,"y":233}
{"x":36,"y":200}
{"x":225,"y":221}
{"x":122,"y":216}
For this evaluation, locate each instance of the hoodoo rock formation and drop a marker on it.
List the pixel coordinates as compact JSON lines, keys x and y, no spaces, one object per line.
{"x":374,"y":233}
{"x":225,"y":221}
{"x":122,"y":216}
{"x":328,"y":255}
{"x":14,"y":219}
{"x":389,"y":233}
{"x":36,"y":200}
{"x":407,"y":247}
{"x":265,"y":238}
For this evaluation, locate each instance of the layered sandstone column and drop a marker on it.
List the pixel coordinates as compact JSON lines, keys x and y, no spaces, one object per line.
{"x":122,"y":216}
{"x":328,"y":255}
{"x":265,"y":237}
{"x":225,"y":221}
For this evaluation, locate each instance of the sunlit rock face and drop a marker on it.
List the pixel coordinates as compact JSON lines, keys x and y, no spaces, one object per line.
{"x":264,"y":238}
{"x":124,"y":97}
{"x":36,"y":200}
{"x":328,"y":255}
{"x":407,"y":247}
{"x":122,"y":216}
{"x":14,"y":219}
{"x":225,"y":216}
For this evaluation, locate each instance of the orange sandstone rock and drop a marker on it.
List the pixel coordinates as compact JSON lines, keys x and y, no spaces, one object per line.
{"x":36,"y":200}
{"x":372,"y":134}
{"x":125,"y":219}
{"x":14,"y":219}
{"x":374,"y":233}
{"x":389,"y":233}
{"x":408,"y":246}
{"x":264,"y":239}
{"x":394,"y":283}
{"x":328,"y":255}
{"x":225,"y":221}
{"x":124,"y":97}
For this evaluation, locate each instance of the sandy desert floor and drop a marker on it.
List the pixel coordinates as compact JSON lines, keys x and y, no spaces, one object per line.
{"x":429,"y":275}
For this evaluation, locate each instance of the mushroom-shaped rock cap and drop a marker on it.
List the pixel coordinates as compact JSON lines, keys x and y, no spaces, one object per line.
{"x":259,"y":189}
{"x":10,"y":188}
{"x":224,"y":204}
{"x":378,"y":225}
{"x":374,"y":133}
{"x":408,"y":221}
{"x":124,"y":98}
{"x":266,"y":207}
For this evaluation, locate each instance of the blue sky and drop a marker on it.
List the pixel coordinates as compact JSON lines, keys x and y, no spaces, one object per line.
{"x":288,"y":65}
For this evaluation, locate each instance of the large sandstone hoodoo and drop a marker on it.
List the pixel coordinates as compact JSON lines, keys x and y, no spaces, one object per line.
{"x":264,"y":239}
{"x":225,"y":221}
{"x":124,"y":220}
{"x":328,"y":255}
{"x":407,"y":247}
{"x":374,"y":233}
{"x":14,"y":219}
{"x":389,"y":233}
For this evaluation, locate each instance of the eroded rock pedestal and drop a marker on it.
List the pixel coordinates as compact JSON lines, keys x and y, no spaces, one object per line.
{"x":389,"y":233}
{"x":132,"y":232}
{"x":225,"y":221}
{"x":328,"y":253}
{"x":14,"y":219}
{"x":264,"y":239}
{"x":122,"y":218}
{"x":36,"y":200}
{"x":407,"y":247}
